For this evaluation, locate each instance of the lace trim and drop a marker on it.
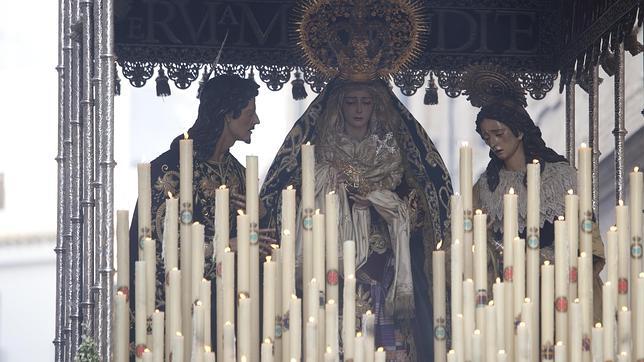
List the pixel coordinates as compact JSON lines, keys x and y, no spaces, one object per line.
{"x":556,"y":180}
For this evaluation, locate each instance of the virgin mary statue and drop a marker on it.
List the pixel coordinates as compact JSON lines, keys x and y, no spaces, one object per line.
{"x":393,"y":188}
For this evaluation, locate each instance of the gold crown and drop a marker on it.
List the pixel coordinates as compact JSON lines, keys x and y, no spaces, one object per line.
{"x":360,"y":40}
{"x":485,"y":84}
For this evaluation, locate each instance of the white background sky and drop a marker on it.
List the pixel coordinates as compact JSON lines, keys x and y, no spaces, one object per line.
{"x":145,"y":125}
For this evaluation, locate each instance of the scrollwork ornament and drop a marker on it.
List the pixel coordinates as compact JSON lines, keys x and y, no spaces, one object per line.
{"x":316,"y":80}
{"x":138,"y":73}
{"x":236,"y":69}
{"x":451,"y":82}
{"x":409,"y":80}
{"x":183,"y":74}
{"x":274,"y":76}
{"x":536,"y":84}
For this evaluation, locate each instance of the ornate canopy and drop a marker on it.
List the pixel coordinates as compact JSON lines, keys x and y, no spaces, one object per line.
{"x":533,"y":39}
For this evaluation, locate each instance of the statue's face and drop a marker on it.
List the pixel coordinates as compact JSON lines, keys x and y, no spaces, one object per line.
{"x":357,"y":107}
{"x":241,"y":127}
{"x":500,"y":138}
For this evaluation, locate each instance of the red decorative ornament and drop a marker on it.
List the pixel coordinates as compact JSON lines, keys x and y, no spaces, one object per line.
{"x":332,"y":277}
{"x":507,"y":274}
{"x":561,"y":304}
{"x":622,"y":286}
{"x":125,"y":291}
{"x":573,"y":274}
{"x":140,"y":348}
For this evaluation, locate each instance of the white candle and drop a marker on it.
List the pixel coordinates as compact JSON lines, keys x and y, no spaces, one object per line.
{"x":267,"y":351}
{"x":319,"y":273}
{"x":547,"y":310}
{"x":171,"y":233}
{"x":523,"y":347}
{"x":612,"y":257}
{"x":349,"y":257}
{"x":332,"y":326}
{"x":331,"y":224}
{"x":572,"y":231}
{"x":288,"y":286}
{"x":624,"y":330}
{"x":381,"y":355}
{"x":477,"y":346}
{"x":456,"y":216}
{"x":150,"y":258}
{"x":185,"y":178}
{"x":575,"y":331}
{"x":186,"y":209}
{"x":490,"y":332}
{"x":177,"y":353}
{"x":208,"y":355}
{"x":328,"y":355}
{"x":173,"y":308}
{"x":205,"y":297}
{"x":308,"y":207}
{"x":623,"y":254}
{"x":636,"y":187}
{"x":198,"y":259}
{"x":348,"y":313}
{"x":359,"y":348}
{"x":140,"y":313}
{"x":597,"y":341}
{"x":123,"y":251}
{"x":638,"y":340}
{"x":530,"y":318}
{"x":518,"y":248}
{"x":157,"y":336}
{"x":533,"y":223}
{"x":228,"y":276}
{"x":295,"y":327}
{"x":368,"y":331}
{"x":608,"y":320}
{"x":244,"y":326}
{"x":229,"y":342}
{"x":144,"y":202}
{"x":456,"y":277}
{"x":458,"y":339}
{"x":252,"y":209}
{"x":311,"y":310}
{"x":243,"y":253}
{"x":121,"y":327}
{"x":585,"y":297}
{"x":468,"y":316}
{"x":311,"y":340}
{"x":561,"y":282}
{"x":499,"y":305}
{"x":480,"y":267}
{"x":147,"y":355}
{"x":510,"y":231}
{"x":465,"y":182}
{"x":277,"y":300}
{"x":221,"y":242}
{"x":197,"y":332}
{"x":560,"y":352}
{"x":451,"y":356}
{"x":269,"y":299}
{"x":584,"y":187}
{"x":623,"y":357}
{"x":438,"y":304}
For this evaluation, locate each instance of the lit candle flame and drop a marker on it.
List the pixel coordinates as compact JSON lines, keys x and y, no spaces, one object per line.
{"x":620,"y":203}
{"x":560,"y":218}
{"x":477,"y":332}
{"x":293,"y":296}
{"x":547,"y":262}
{"x":381,"y":349}
{"x":613,"y":228}
{"x":267,"y":340}
{"x":156,"y":311}
{"x":317,"y":211}
{"x":511,"y":191}
{"x":185,"y":135}
{"x":198,"y":303}
{"x":289,"y":187}
{"x":240,"y":212}
{"x":570,"y":192}
{"x":491,"y":303}
{"x":526,"y":300}
{"x":222,"y":187}
{"x":268,"y":258}
{"x":308,"y":143}
{"x":584,"y":145}
{"x":179,"y":334}
{"x":275,"y":246}
{"x":331,"y":301}
{"x":478,"y":212}
{"x":286,"y":232}
{"x":368,"y":312}
{"x":457,"y":194}
{"x":536,"y":162}
{"x":332,"y":192}
{"x":147,"y":350}
{"x":207,"y":349}
{"x":438,"y":246}
{"x":598,"y":325}
{"x":498,"y":280}
{"x":359,"y":334}
{"x":243,"y":296}
{"x":311,"y":320}
{"x":465,"y":144}
{"x":636,"y":169}
{"x":169,"y":194}
{"x":226,"y":250}
{"x":583,"y":254}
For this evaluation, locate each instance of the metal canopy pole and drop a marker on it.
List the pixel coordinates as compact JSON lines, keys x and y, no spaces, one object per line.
{"x":619,"y":131}
{"x":593,"y":132}
{"x":570,"y":121}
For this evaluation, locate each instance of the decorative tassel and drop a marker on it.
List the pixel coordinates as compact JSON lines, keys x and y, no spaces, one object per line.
{"x":431,"y":92}
{"x":298,"y":87}
{"x":117,"y":84}
{"x":163,"y":88}
{"x":204,"y":78}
